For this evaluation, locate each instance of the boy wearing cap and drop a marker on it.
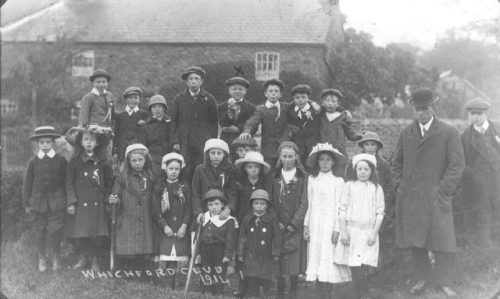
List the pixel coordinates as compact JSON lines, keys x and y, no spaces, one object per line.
{"x":427,"y":167}
{"x":97,"y":106}
{"x":128,"y":122}
{"x":259,"y":245}
{"x":273,"y":117}
{"x":44,"y":195}
{"x":234,"y":113}
{"x":303,"y":120}
{"x":481,"y":144}
{"x":158,"y":133}
{"x":194,"y":114}
{"x":217,"y":238}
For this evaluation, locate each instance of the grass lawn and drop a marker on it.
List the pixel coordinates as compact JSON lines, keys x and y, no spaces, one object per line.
{"x":477,"y":277}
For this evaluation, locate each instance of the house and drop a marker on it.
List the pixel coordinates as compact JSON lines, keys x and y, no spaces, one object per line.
{"x":149,"y":43}
{"x":450,"y":82}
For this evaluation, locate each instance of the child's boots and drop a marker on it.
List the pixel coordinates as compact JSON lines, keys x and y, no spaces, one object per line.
{"x":42,"y":263}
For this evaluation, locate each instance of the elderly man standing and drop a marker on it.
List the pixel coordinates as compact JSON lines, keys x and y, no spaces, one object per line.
{"x":427,"y":168}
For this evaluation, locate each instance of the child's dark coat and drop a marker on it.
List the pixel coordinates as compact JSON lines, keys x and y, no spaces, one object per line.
{"x":304,"y":130}
{"x":158,"y":136}
{"x":247,"y":110}
{"x":258,"y":244}
{"x":243,"y":191}
{"x":127,"y":130}
{"x":178,"y":214}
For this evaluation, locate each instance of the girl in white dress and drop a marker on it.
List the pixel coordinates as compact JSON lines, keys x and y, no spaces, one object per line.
{"x":361,"y":215}
{"x":321,"y":224}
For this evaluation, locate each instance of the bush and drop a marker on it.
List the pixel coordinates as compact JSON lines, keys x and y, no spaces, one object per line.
{"x":14,"y":221}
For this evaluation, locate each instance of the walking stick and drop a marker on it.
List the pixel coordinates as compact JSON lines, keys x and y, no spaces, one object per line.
{"x":113,"y":232}
{"x":191,"y":262}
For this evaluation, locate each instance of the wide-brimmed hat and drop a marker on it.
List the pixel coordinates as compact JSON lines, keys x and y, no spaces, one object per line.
{"x":370,"y":136}
{"x":216,"y":143}
{"x":477,"y":104}
{"x":132,"y":90}
{"x":172,"y":156}
{"x":238,"y":80}
{"x":100,"y":73}
{"x":260,"y":194}
{"x":193,"y":70}
{"x":364,"y":157}
{"x":214,"y":194}
{"x":44,"y":131}
{"x":332,"y":91}
{"x":238,"y":142}
{"x":157,"y":99}
{"x":302,"y":89}
{"x":422,"y":97}
{"x":253,"y":157}
{"x":324,"y":148}
{"x":103,"y":134}
{"x":135,"y":146}
{"x":276,"y":82}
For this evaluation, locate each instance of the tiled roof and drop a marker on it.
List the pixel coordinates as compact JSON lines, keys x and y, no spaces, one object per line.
{"x":177,"y":21}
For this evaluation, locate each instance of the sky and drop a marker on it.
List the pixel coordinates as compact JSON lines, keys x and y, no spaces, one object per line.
{"x":418,"y":22}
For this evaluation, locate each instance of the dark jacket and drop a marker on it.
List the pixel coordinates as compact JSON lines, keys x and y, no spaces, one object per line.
{"x":337,"y":131}
{"x":97,"y":110}
{"x":158,"y":136}
{"x":127,"y":130}
{"x":247,"y":109}
{"x":134,"y":226}
{"x":225,"y":234}
{"x":44,"y":184}
{"x":273,"y":131}
{"x":426,"y":172}
{"x":304,"y":131}
{"x":88,"y":185}
{"x":206,"y":178}
{"x":258,"y":243}
{"x":481,"y":164}
{"x":243,"y":191}
{"x":178,"y":214}
{"x":195,"y":119}
{"x":290,"y":204}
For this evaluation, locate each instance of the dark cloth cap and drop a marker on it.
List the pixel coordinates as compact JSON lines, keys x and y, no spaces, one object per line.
{"x":44,"y":132}
{"x":477,"y":104}
{"x":369,"y":135}
{"x":422,"y":97}
{"x":276,"y":82}
{"x":332,"y":91}
{"x":132,"y":90}
{"x":214,"y":194}
{"x":301,"y":88}
{"x":260,"y":194}
{"x":193,"y":70}
{"x":100,"y":73}
{"x":238,"y":80}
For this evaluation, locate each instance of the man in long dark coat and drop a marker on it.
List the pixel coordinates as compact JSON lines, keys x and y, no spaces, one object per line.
{"x":427,"y":168}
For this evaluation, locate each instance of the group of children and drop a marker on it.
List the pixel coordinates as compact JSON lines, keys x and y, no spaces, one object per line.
{"x":270,"y":213}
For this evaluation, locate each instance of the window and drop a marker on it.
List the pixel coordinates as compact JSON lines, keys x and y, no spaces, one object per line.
{"x":83,"y":64}
{"x":267,"y":65}
{"x":8,"y":106}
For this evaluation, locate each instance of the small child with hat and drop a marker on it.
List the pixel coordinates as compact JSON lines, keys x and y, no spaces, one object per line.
{"x":128,"y":122}
{"x":89,"y":179}
{"x":158,"y":133}
{"x":259,"y":245}
{"x":481,"y":144}
{"x":217,"y":239}
{"x":97,"y":106}
{"x":234,"y":112}
{"x":335,"y":126}
{"x":303,"y":120}
{"x":44,"y":195}
{"x":240,"y":147}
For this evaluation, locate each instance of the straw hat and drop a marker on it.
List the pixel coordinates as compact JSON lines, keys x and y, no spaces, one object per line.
{"x":253,"y":157}
{"x":323,"y":148}
{"x":45,"y":131}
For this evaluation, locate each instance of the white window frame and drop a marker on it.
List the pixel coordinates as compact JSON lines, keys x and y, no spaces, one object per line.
{"x":267,"y":65}
{"x":83,"y":64}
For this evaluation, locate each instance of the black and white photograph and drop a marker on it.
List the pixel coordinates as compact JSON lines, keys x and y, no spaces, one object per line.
{"x":298,"y":149}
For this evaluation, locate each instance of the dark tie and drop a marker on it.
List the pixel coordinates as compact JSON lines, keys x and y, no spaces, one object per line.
{"x":275,"y":112}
